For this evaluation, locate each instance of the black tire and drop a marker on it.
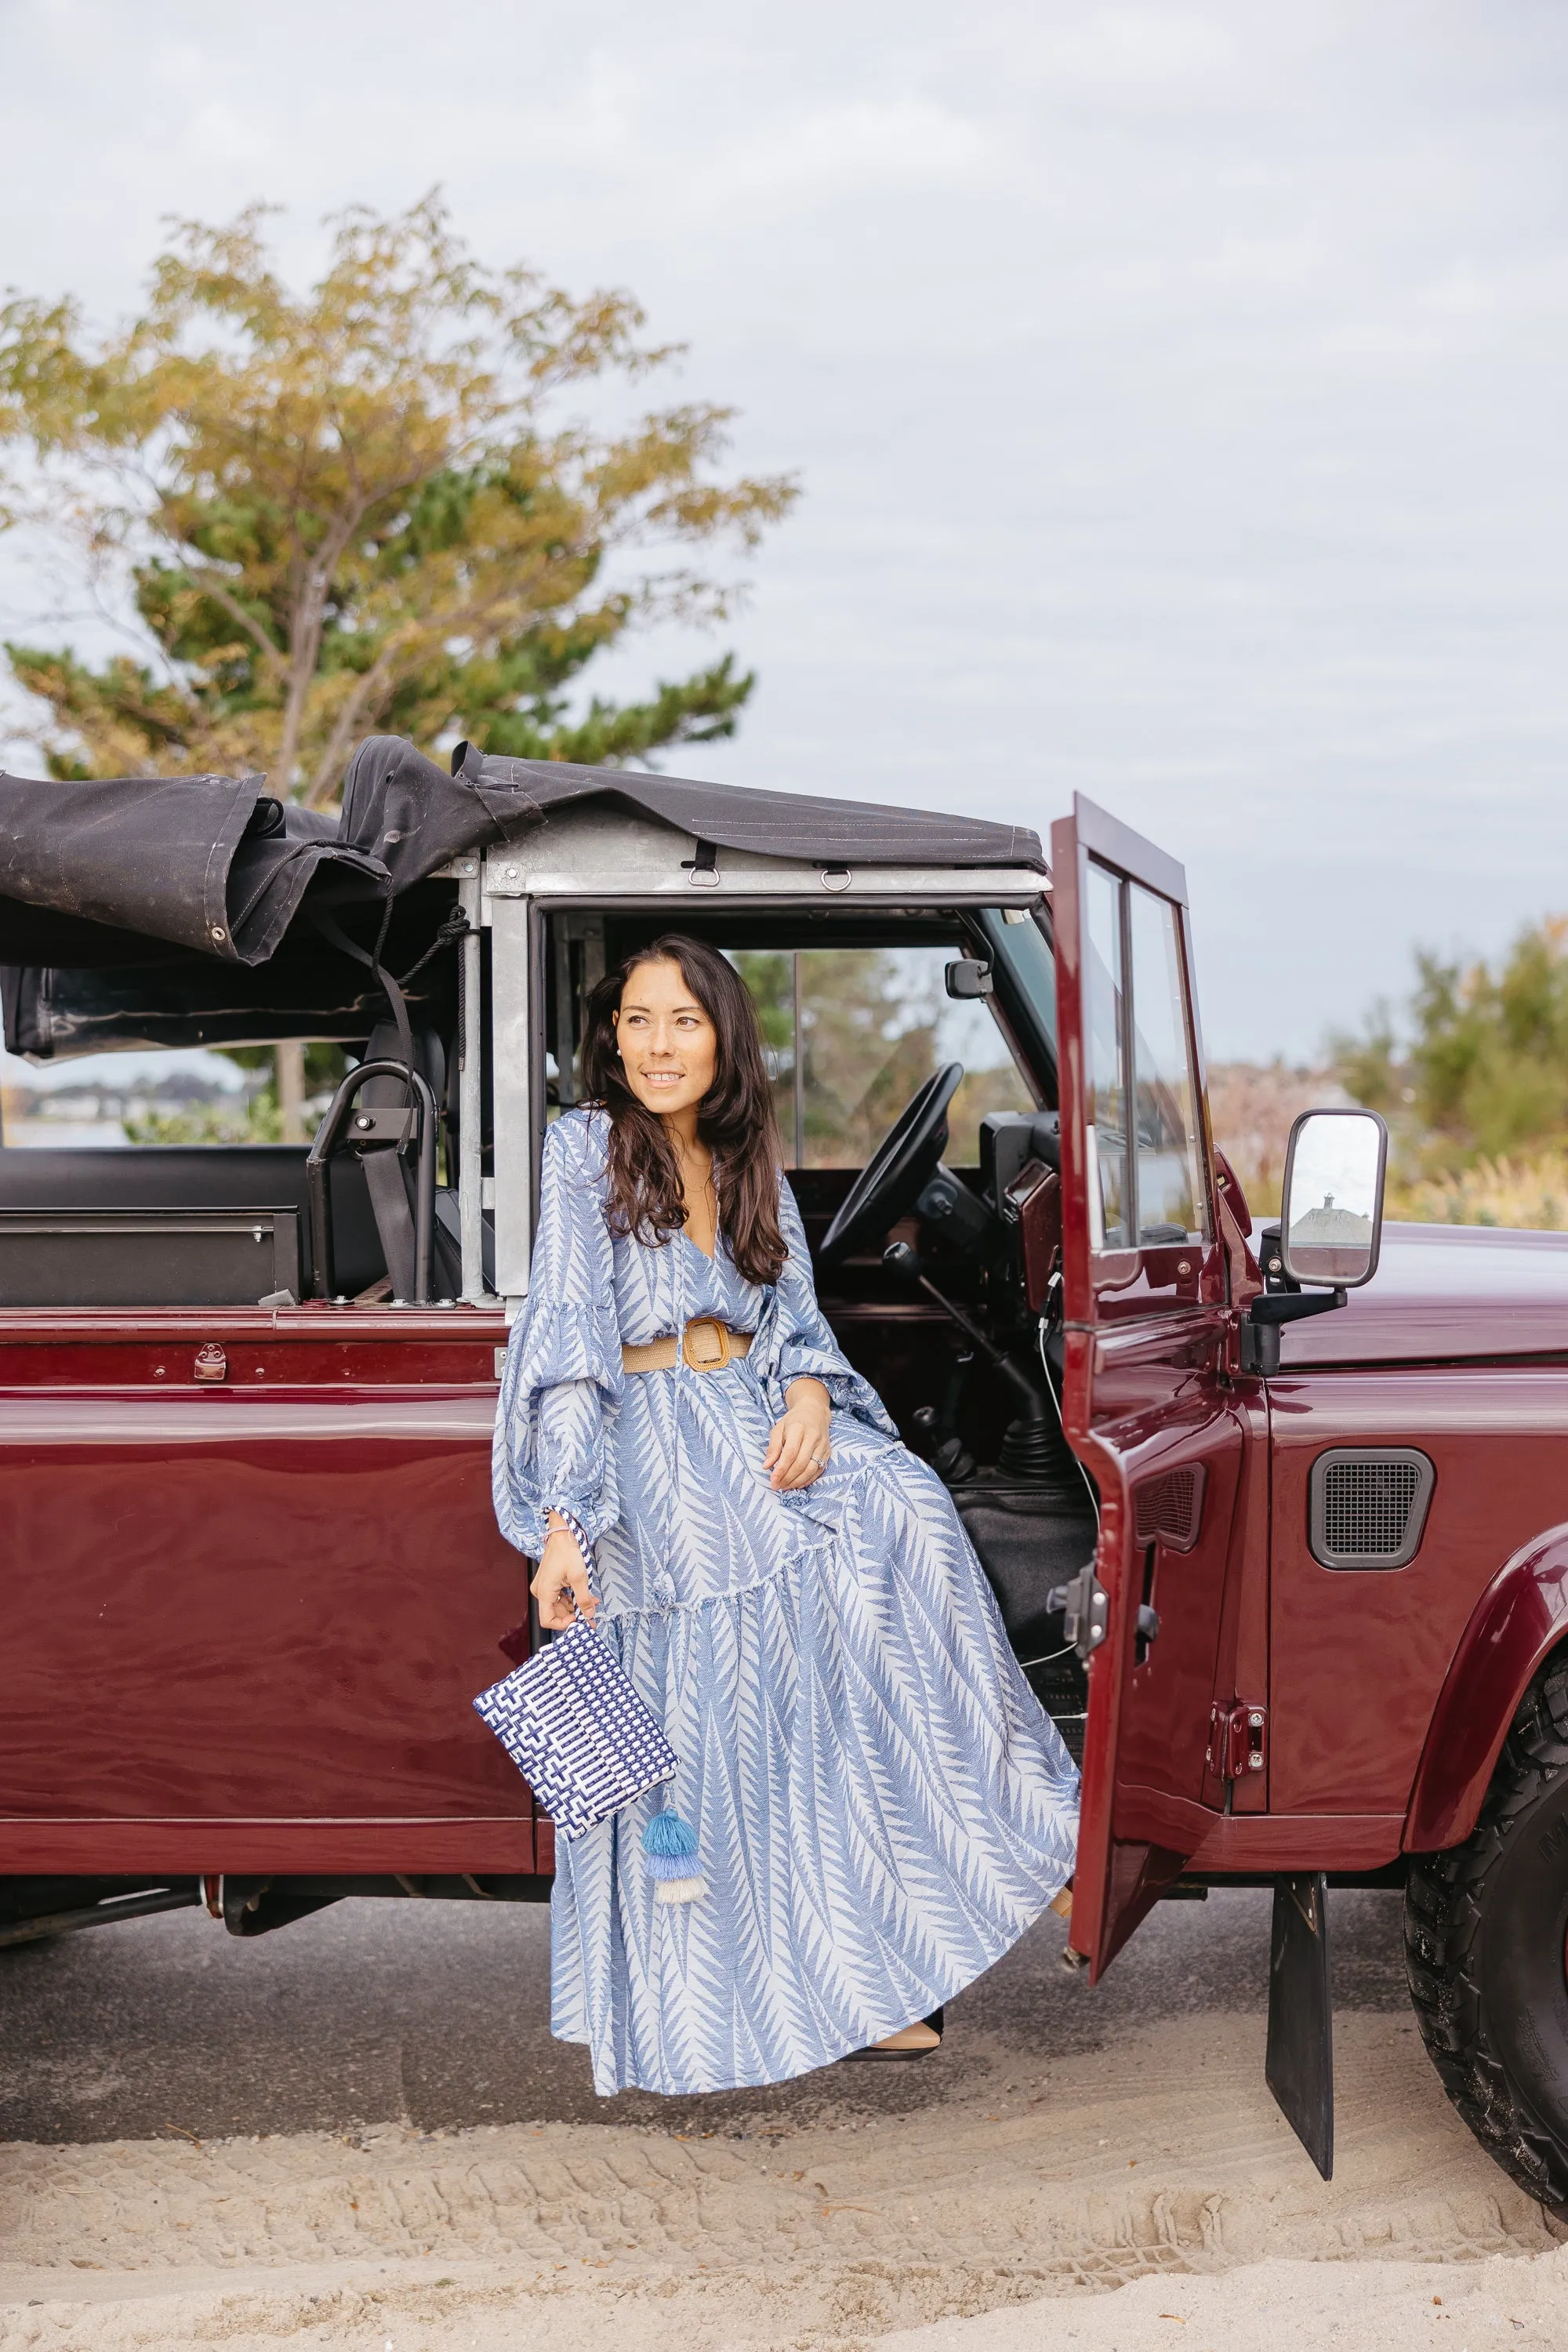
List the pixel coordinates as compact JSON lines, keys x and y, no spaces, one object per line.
{"x":1485,"y":1929}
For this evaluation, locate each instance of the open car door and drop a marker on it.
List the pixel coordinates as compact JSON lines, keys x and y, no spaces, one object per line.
{"x":1146,"y":1404}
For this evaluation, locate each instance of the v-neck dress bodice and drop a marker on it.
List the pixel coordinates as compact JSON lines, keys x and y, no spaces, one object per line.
{"x":664,"y":1471}
{"x":882,"y":1804}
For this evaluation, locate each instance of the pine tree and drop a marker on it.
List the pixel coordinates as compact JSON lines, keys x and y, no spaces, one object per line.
{"x":362,"y":509}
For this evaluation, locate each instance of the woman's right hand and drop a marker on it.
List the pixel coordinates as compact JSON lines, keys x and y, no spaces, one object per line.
{"x":561,"y":1576}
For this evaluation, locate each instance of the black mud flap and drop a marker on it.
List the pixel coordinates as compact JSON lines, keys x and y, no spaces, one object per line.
{"x":1299,"y":2066}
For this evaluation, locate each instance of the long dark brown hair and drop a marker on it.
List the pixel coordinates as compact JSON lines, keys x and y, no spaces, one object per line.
{"x":734,"y":1119}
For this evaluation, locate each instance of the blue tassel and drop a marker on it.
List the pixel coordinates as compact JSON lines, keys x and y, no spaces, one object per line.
{"x":667,"y":1833}
{"x":669,"y":1849}
{"x":668,"y":1865}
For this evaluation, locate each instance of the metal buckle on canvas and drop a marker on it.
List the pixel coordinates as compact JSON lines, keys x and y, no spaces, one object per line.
{"x":705,"y":1344}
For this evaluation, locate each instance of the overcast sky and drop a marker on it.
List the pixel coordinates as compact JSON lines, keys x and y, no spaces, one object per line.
{"x":1178,"y":391}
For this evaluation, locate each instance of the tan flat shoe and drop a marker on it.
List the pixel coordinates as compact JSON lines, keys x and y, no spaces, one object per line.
{"x":1061,"y":1904}
{"x":910,"y":2041}
{"x":916,"y":2041}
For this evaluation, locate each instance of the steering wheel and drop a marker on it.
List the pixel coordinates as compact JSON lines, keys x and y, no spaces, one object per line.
{"x":894,"y":1177}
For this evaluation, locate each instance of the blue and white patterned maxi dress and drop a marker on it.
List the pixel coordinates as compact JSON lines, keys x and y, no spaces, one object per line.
{"x":881,"y":1804}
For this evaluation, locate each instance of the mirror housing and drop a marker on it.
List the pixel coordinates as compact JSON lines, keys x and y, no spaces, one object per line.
{"x":1331,"y":1212}
{"x":1330,"y":1225}
{"x":968,"y":977}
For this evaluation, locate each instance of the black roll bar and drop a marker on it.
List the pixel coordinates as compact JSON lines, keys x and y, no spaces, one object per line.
{"x":376,"y":1130}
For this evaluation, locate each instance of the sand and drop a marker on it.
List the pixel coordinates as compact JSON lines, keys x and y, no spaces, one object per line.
{"x":1143,"y":2195}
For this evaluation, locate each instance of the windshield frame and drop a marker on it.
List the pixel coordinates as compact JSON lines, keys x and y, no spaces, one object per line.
{"x":1022,"y":956}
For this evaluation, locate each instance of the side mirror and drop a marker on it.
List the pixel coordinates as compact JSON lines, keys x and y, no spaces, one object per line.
{"x":1331,"y":1216}
{"x":1330,"y":1224}
{"x":968,"y":977}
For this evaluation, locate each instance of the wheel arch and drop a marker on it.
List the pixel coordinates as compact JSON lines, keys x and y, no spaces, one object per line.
{"x":1519,"y":1621}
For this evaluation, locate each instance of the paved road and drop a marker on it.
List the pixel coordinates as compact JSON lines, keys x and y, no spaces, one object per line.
{"x":439,"y":2013}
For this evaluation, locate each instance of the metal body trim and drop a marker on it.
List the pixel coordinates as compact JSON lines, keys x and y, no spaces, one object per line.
{"x":512,"y":1048}
{"x":598,"y":855}
{"x":470,"y":1229}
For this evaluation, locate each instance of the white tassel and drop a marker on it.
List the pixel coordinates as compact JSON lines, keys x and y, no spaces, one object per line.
{"x":679,"y":1890}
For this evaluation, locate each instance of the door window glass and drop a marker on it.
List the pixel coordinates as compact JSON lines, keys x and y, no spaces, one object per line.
{"x":872,"y":1024}
{"x":1170,"y":1195}
{"x":1105,"y":1041}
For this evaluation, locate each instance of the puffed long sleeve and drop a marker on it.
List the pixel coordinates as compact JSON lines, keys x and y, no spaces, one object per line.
{"x":562,"y":1384}
{"x":796,"y":1342}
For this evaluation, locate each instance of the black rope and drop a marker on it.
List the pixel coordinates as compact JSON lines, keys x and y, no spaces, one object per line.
{"x":456,"y":927}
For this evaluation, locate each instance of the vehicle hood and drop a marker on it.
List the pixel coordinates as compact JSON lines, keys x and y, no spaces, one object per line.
{"x":1446,"y":1292}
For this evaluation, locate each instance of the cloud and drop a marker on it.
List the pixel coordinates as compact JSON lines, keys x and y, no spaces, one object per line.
{"x":1178,"y":389}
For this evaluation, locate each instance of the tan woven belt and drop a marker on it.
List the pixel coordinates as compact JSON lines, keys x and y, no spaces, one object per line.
{"x":706,"y":1346}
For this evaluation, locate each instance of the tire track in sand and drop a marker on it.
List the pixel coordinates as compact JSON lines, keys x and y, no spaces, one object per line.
{"x":1164,"y":2157}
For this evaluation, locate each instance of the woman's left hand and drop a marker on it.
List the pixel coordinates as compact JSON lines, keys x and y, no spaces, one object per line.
{"x":799,"y":1445}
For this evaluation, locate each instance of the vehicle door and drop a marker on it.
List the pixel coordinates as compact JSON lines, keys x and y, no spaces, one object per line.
{"x":1146,"y":1402}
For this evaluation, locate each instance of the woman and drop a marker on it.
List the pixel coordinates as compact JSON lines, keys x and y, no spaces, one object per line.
{"x":871,"y":1805}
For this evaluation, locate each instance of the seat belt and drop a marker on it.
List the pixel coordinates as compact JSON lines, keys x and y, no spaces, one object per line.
{"x":394,"y":1214}
{"x":389,"y":1179}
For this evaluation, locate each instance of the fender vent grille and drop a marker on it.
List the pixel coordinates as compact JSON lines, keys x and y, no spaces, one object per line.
{"x":1168,"y":1508}
{"x":1367,"y":1509}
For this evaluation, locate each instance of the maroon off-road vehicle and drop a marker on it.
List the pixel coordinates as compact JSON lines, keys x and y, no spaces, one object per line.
{"x":1294,"y":1583}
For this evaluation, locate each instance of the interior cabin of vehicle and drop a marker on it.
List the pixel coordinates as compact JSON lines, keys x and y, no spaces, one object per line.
{"x":912,"y":1057}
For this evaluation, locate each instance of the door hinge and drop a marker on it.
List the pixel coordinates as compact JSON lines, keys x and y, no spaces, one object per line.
{"x":1085,"y":1605}
{"x":1238,"y":1741}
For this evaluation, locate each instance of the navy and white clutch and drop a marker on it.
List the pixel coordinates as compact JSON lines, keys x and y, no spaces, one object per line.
{"x":573,"y":1724}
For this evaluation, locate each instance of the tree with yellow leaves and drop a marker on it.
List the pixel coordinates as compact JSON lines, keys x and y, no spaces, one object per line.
{"x":361,"y":509}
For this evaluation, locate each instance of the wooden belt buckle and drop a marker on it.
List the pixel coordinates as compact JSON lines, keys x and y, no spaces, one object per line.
{"x":706,"y":1362}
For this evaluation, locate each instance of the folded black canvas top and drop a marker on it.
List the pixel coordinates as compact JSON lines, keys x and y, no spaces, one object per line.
{"x":210,"y":864}
{"x":165,"y":870}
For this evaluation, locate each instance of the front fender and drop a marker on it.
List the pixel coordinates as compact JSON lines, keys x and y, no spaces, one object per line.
{"x":1519,"y":1619}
